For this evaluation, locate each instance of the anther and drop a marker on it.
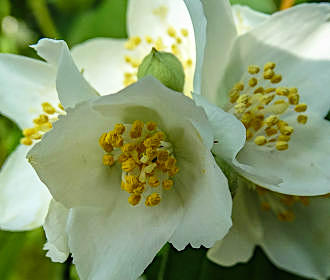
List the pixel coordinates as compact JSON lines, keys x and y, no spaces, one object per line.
{"x":108,"y":160}
{"x":282,"y":91}
{"x":281,"y":145}
{"x":286,"y":130}
{"x":128,"y":165}
{"x":167,"y":184}
{"x":151,"y":126}
{"x":136,"y":130}
{"x":184,"y":32}
{"x":277,"y":78}
{"x":268,"y":74}
{"x":302,"y":119}
{"x":134,"y":199}
{"x":153,"y":181}
{"x":48,"y":108}
{"x":269,"y":65}
{"x":253,"y":82}
{"x":253,"y":69}
{"x":26,"y":141}
{"x":152,"y":199}
{"x":301,"y":108}
{"x":171,"y":31}
{"x":260,"y":140}
{"x":293,"y":98}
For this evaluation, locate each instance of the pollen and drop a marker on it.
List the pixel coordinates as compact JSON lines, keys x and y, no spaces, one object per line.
{"x":184,"y":32}
{"x":48,"y":108}
{"x":262,"y":107}
{"x":146,"y":159}
{"x":171,"y":32}
{"x":152,"y":199}
{"x":41,"y":124}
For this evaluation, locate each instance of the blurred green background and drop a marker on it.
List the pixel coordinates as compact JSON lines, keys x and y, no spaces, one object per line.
{"x":23,"y":22}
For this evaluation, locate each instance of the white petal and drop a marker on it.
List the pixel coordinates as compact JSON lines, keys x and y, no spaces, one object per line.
{"x":55,"y":229}
{"x":152,"y":18}
{"x":238,"y":245}
{"x":69,"y":159}
{"x":72,"y":88}
{"x":120,"y":243}
{"x":24,"y":199}
{"x":246,"y":18}
{"x":304,"y":30}
{"x":157,"y":103}
{"x":229,"y":132}
{"x":220,"y":34}
{"x":25,"y":84}
{"x":205,"y":194}
{"x":304,"y":167}
{"x":301,"y":246}
{"x":103,"y":64}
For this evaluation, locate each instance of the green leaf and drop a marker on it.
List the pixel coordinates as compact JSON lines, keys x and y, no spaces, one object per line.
{"x":73,"y":6}
{"x":4,"y":8}
{"x":10,"y":245}
{"x":106,"y":20}
{"x":265,"y":6}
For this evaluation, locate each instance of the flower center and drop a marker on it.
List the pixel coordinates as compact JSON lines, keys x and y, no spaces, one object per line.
{"x":280,"y":204}
{"x":146,"y":159}
{"x":176,"y":41}
{"x":42,"y":124}
{"x":261,"y":107}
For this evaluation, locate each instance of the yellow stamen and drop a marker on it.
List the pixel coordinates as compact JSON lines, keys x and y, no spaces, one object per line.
{"x":167,"y":184}
{"x":153,"y":181}
{"x":48,"y":108}
{"x":171,"y":31}
{"x":151,"y":126}
{"x":108,"y":160}
{"x":26,"y":141}
{"x":152,"y":199}
{"x":184,"y":32}
{"x":260,"y":140}
{"x":134,"y":199}
{"x":302,"y":119}
{"x":282,"y":145}
{"x":136,"y":130}
{"x":253,"y":69}
{"x":301,"y":108}
{"x":128,"y":165}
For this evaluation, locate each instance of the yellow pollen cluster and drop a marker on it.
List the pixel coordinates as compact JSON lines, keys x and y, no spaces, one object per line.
{"x":280,"y":204}
{"x":176,"y":40}
{"x":146,"y":159}
{"x":259,"y":104}
{"x":42,"y":123}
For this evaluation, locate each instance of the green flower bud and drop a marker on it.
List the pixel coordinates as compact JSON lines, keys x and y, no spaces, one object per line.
{"x":165,"y":67}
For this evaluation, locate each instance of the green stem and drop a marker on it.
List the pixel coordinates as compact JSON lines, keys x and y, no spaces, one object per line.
{"x":163,"y":264}
{"x":42,"y":15}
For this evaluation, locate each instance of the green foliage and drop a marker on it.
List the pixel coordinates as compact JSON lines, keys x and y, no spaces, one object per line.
{"x":106,"y":20}
{"x":266,"y":6}
{"x":9,"y":138}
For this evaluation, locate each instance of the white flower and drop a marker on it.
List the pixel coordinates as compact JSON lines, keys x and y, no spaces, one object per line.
{"x":282,"y":105}
{"x":28,"y":96}
{"x":112,"y":218}
{"x":111,"y":64}
{"x":26,"y":84}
